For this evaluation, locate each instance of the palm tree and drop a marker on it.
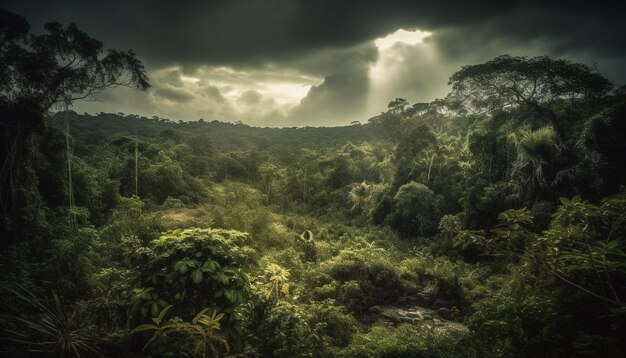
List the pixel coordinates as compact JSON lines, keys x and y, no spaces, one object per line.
{"x":535,"y":171}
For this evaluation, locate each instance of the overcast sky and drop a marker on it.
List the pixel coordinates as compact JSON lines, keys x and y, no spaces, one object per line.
{"x":318,"y":62}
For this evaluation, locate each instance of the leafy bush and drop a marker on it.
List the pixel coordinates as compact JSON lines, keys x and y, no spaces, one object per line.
{"x":173,"y":203}
{"x":332,"y":322}
{"x":48,"y":328}
{"x":128,"y":219}
{"x":415,"y":210}
{"x":275,"y":282}
{"x":519,"y":321}
{"x":175,"y":337}
{"x":407,"y":341}
{"x":360,"y":278}
{"x":449,"y":280}
{"x":194,"y":268}
{"x":279,"y":329}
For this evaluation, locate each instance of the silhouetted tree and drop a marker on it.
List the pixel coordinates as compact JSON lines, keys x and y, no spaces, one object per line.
{"x":540,"y":85}
{"x":39,"y":73}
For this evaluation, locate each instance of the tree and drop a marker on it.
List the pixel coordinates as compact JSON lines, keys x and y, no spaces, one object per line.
{"x":540,"y":85}
{"x":413,"y":139}
{"x":268,"y":172}
{"x":536,"y":168}
{"x":607,"y":136}
{"x":39,"y":73}
{"x":56,"y":68}
{"x":391,"y":120}
{"x":415,"y":210}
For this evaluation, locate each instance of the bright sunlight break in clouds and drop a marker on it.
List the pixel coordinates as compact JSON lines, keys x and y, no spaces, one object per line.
{"x":403,"y":36}
{"x":323,"y":62}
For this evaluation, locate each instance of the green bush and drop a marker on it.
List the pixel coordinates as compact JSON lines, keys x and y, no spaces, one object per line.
{"x":333,"y":323}
{"x":518,"y":321}
{"x":449,"y":280}
{"x":407,"y":341}
{"x":128,"y":219}
{"x":360,"y":278}
{"x":279,"y":329}
{"x":193,"y":269}
{"x":415,"y":211}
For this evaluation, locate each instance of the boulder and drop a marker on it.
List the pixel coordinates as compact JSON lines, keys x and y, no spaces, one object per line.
{"x":375,"y":309}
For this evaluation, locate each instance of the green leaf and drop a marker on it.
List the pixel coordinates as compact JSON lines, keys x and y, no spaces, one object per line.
{"x":145,"y":295}
{"x":144,"y":327}
{"x":223,"y":278}
{"x":209,"y":266}
{"x":149,"y":342}
{"x":181,"y":266}
{"x":170,"y":277}
{"x":154,"y":309}
{"x":196,"y":276}
{"x":193,"y":263}
{"x":163,"y":312}
{"x":197,"y":317}
{"x":612,"y":244}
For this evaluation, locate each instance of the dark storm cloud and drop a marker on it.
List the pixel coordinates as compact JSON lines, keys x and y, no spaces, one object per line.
{"x":251,"y":97}
{"x":341,"y":97}
{"x":214,"y":93}
{"x":327,"y":45}
{"x":337,"y":99}
{"x":172,"y":77}
{"x":250,"y":32}
{"x":173,"y":94}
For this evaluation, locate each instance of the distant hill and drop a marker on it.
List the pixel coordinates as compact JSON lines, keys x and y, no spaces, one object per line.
{"x":104,"y":127}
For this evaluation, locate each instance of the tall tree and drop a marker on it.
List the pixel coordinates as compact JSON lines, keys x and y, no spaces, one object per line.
{"x":39,"y":73}
{"x":540,"y":85}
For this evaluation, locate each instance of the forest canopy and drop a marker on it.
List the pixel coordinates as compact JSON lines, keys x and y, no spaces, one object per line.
{"x":488,"y":223}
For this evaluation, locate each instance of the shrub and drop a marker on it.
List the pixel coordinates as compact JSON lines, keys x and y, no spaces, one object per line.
{"x":364,"y":277}
{"x":173,"y":203}
{"x":406,"y":341}
{"x":49,"y":328}
{"x":332,"y":322}
{"x":517,"y":320}
{"x":194,"y":268}
{"x":450,"y":280}
{"x":175,"y":337}
{"x":415,"y":211}
{"x":279,"y":329}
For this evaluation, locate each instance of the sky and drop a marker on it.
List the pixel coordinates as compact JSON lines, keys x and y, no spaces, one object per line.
{"x":322,"y":62}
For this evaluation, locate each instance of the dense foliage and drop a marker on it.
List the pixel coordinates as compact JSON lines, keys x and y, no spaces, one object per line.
{"x":490,"y":223}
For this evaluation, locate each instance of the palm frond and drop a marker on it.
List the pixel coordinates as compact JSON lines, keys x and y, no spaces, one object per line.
{"x":50,"y":328}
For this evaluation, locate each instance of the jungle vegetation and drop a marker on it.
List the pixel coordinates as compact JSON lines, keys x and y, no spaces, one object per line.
{"x":489,"y":223}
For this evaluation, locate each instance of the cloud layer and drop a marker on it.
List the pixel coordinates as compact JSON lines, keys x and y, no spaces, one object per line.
{"x":288,"y":62}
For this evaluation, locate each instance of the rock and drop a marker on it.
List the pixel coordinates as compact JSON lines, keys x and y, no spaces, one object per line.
{"x":375,"y":309}
{"x":414,"y":314}
{"x":402,"y":315}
